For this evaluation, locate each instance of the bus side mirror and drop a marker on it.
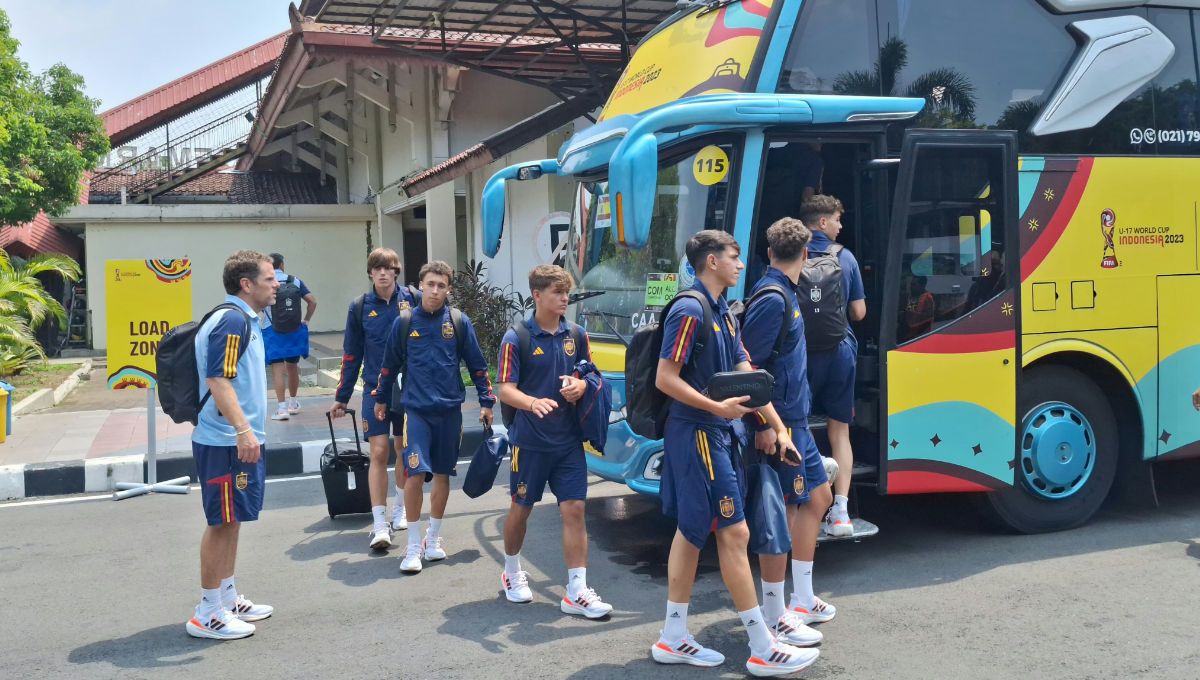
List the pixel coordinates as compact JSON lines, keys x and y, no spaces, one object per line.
{"x":632,"y":184}
{"x":494,"y":198}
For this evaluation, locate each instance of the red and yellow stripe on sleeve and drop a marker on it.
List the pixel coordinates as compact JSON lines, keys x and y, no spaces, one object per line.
{"x":232,"y":343}
{"x":684,"y":338}
{"x":507,"y":352}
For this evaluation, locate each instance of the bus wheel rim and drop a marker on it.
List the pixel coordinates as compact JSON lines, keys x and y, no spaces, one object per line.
{"x":1057,"y":451}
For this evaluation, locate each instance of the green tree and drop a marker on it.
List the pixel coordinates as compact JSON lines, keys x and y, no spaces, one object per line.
{"x":25,"y":306}
{"x":949,"y":95}
{"x":49,"y":136}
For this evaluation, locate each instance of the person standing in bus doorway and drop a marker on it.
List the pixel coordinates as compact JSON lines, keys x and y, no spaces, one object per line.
{"x":703,"y":484}
{"x":427,"y":345}
{"x":545,"y":437}
{"x":286,"y":337}
{"x":368,"y":321}
{"x":805,"y":487}
{"x":832,"y":360}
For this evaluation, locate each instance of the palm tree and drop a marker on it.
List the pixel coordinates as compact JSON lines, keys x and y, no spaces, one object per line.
{"x":25,"y":306}
{"x":947,"y":92}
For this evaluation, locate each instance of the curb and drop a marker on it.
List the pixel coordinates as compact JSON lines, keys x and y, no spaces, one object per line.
{"x":98,"y":475}
{"x":47,"y":397}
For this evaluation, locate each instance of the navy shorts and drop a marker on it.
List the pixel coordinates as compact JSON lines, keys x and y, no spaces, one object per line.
{"x":373,"y":427}
{"x":232,"y":491}
{"x":703,"y":482}
{"x":431,"y":442}
{"x":530,"y":470}
{"x":797,"y":480}
{"x":831,"y":377}
{"x":289,"y":360}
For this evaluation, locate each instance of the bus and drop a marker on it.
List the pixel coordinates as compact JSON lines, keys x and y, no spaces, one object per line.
{"x":1021,"y":185}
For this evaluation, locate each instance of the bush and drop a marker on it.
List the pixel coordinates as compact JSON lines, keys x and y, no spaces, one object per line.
{"x":492,"y":309}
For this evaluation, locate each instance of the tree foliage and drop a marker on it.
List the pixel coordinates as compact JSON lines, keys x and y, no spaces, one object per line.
{"x":25,"y":306}
{"x":49,"y":136}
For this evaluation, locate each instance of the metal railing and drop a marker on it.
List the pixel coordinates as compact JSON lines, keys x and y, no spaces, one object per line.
{"x":159,"y":165}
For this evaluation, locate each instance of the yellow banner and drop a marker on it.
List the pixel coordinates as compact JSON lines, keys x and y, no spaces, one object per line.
{"x":706,"y":52}
{"x":145,"y":299}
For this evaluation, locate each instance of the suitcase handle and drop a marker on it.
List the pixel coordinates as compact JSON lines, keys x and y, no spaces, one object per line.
{"x":354,"y":420}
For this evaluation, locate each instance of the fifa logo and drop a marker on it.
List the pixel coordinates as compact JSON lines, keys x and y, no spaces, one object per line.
{"x":118,"y":273}
{"x":1108,"y":226}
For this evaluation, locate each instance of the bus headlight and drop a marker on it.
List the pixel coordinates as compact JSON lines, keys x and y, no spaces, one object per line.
{"x":654,"y":466}
{"x":616,"y":416}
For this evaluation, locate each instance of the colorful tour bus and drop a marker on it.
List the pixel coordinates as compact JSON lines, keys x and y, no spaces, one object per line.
{"x":1020,"y":181}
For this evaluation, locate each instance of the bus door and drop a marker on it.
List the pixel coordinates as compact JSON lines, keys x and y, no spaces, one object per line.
{"x":951,"y":315}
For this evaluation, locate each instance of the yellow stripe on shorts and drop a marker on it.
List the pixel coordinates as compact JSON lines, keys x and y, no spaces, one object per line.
{"x":705,"y":452}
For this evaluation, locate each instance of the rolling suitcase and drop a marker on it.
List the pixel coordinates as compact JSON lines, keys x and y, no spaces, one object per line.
{"x":344,"y":474}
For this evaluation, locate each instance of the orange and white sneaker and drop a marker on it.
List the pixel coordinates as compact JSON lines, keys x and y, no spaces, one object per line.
{"x":837,"y":522}
{"x":516,"y":587}
{"x":820,"y":611}
{"x":791,"y":629}
{"x":585,"y":603}
{"x":686,"y":651}
{"x":246,"y":610}
{"x":220,"y":625}
{"x":780,"y":659}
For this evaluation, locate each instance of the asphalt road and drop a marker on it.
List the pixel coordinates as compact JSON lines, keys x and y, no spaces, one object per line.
{"x":98,"y":589}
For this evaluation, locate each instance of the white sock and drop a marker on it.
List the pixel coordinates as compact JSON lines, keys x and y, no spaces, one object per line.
{"x":840,"y":502}
{"x":210,"y":601}
{"x":228,"y":593}
{"x":435,"y":528}
{"x":675,"y":628}
{"x":576,"y":581}
{"x":281,"y":405}
{"x":756,"y":628}
{"x":802,"y":588}
{"x":379,"y":513}
{"x":398,"y":504}
{"x":772,"y":605}
{"x":512,"y":564}
{"x":414,"y":533}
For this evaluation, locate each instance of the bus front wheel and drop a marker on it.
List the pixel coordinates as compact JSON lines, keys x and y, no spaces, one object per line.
{"x":1066,"y":457}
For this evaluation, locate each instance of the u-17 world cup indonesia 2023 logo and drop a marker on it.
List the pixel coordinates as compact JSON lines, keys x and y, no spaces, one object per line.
{"x":1108,"y":226}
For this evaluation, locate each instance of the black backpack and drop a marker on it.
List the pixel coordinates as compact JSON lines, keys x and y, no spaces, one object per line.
{"x":178,"y":376}
{"x":645,"y":405}
{"x":739,"y":309}
{"x":824,"y":307}
{"x":524,"y":341}
{"x":285,"y":313}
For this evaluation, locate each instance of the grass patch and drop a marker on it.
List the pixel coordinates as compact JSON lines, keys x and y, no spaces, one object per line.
{"x":38,"y":376}
{"x":466,"y":377}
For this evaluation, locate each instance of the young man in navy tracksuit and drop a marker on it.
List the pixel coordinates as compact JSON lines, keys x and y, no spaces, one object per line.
{"x":546,"y":440}
{"x":805,"y":487}
{"x":367,"y":324}
{"x":432,"y":395}
{"x":703,"y":481}
{"x":831,"y":373}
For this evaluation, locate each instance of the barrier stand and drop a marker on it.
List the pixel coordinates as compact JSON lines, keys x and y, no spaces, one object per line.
{"x":152,"y":485}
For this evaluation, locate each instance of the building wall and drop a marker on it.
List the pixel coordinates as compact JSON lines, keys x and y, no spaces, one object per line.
{"x":328,"y":253}
{"x":487,"y":104}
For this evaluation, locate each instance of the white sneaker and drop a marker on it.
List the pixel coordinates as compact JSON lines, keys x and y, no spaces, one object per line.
{"x":820,"y":612}
{"x":780,"y":659}
{"x":587,"y":603}
{"x":399,"y":521}
{"x":222,"y":625}
{"x":281,"y":413}
{"x":293,"y":406}
{"x":381,"y":537}
{"x":686,"y":651}
{"x":433,"y":551}
{"x":792,"y":630}
{"x":516,"y":588}
{"x":411,"y":564}
{"x":837,"y":522}
{"x":248,"y":611}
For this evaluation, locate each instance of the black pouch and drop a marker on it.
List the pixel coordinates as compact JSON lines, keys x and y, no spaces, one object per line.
{"x":758,"y":385}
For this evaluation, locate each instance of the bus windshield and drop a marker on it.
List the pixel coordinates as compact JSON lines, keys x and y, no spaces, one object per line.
{"x":692,"y":195}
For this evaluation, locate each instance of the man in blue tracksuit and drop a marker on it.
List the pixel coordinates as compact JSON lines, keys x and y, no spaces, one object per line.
{"x":428,"y":350}
{"x":805,"y":487}
{"x":368,"y":321}
{"x":831,"y":372}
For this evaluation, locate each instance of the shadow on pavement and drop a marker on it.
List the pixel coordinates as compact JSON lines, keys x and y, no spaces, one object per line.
{"x":162,"y":647}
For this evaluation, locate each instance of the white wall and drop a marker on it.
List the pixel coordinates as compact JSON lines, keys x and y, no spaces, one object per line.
{"x":328,"y":253}
{"x":487,"y":104}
